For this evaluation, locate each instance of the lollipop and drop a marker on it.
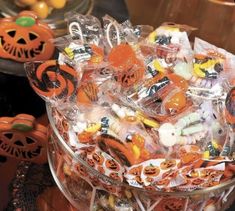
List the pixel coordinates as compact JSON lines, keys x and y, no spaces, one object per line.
{"x":49,"y":79}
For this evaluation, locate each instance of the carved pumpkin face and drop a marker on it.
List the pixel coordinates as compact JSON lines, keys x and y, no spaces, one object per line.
{"x":136,"y":170}
{"x":162,"y":182}
{"x":111,"y":164}
{"x":190,"y":157}
{"x":24,"y":38}
{"x":82,"y":170}
{"x":168,"y":164}
{"x":197,"y":181}
{"x":210,"y":183}
{"x":115,"y":176}
{"x":151,"y":171}
{"x":91,"y":162}
{"x":22,"y":139}
{"x":99,"y":159}
{"x":171,"y":204}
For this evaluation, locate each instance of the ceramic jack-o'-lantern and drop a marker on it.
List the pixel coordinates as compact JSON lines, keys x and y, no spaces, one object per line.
{"x":22,"y":138}
{"x":24,"y":38}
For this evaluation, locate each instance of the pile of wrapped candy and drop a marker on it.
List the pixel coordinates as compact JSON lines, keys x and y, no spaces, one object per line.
{"x":142,"y":106}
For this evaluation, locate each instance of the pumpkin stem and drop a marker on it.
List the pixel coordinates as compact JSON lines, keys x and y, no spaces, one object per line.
{"x":25,"y":21}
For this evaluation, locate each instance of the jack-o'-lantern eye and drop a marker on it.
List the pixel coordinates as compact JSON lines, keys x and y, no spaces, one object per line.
{"x":12,"y":33}
{"x":32,"y":36}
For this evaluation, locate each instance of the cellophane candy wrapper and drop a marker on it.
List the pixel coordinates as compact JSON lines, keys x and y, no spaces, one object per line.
{"x":210,"y":64}
{"x":169,"y":45}
{"x":55,"y":82}
{"x":85,"y":28}
{"x":147,"y":110}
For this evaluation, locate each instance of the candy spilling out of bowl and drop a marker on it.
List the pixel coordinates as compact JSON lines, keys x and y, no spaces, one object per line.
{"x":145,"y":111}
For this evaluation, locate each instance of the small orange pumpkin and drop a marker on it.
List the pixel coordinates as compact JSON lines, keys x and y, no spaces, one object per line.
{"x":168,"y":164}
{"x":115,"y":176}
{"x":91,"y":162}
{"x":197,"y":181}
{"x":111,"y":164}
{"x":22,"y":138}
{"x":24,"y":38}
{"x":162,"y":182}
{"x":98,"y":158}
{"x":151,"y":171}
{"x":136,"y":170}
{"x":171,"y":204}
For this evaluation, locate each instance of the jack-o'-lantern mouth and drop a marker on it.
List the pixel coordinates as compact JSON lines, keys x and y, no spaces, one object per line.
{"x":21,"y":52}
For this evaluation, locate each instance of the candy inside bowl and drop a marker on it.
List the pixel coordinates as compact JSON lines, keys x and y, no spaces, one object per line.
{"x":138,"y":123}
{"x":87,"y":188}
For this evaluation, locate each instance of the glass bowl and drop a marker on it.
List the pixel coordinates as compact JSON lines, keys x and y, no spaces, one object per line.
{"x":87,"y":189}
{"x":56,"y":18}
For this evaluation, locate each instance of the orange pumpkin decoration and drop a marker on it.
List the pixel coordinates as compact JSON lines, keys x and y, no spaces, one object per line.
{"x":168,"y":164}
{"x":162,"y":182}
{"x":82,"y":170}
{"x":98,"y":158}
{"x":22,"y":138}
{"x":136,"y":170}
{"x":190,"y":157}
{"x":171,"y":204}
{"x":115,"y":176}
{"x":24,"y":38}
{"x":197,"y":181}
{"x":151,"y":171}
{"x":111,"y":164}
{"x":91,"y":162}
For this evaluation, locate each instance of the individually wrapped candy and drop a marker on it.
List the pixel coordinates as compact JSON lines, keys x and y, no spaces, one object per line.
{"x":84,"y":55}
{"x":157,"y":173}
{"x":168,"y":45}
{"x":160,"y":95}
{"x":102,"y":162}
{"x":163,"y":114}
{"x":210,"y":62}
{"x":85,"y":28}
{"x":203,"y":177}
{"x":53,"y":81}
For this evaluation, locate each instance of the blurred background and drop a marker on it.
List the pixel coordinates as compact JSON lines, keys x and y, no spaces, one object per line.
{"x":215,"y":19}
